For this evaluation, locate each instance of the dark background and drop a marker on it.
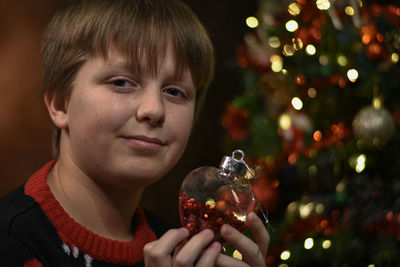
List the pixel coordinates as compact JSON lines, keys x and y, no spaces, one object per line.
{"x":25,"y":126}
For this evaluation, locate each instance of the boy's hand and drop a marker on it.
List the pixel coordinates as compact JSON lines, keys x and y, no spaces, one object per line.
{"x":254,"y":252}
{"x":198,"y":251}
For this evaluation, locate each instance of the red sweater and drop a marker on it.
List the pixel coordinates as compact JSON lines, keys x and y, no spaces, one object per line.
{"x":36,"y":231}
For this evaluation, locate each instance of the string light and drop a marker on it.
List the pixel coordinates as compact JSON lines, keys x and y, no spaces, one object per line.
{"x":294,"y":9}
{"x":320,"y":208}
{"x":305,"y":210}
{"x":285,"y":122}
{"x":323,"y":60}
{"x":291,"y":25}
{"x":276,"y":63}
{"x":237,"y":255}
{"x":308,"y":243}
{"x":297,"y":43}
{"x":349,"y":10}
{"x":312,"y":92}
{"x":317,"y":136}
{"x":288,"y":50}
{"x":285,"y":255}
{"x":274,"y":42}
{"x":342,"y":60}
{"x":252,"y":22}
{"x":395,"y":57}
{"x":326,"y":244}
{"x":361,"y":160}
{"x":323,"y":4}
{"x":352,"y":75}
{"x":297,"y":103}
{"x":310,"y":50}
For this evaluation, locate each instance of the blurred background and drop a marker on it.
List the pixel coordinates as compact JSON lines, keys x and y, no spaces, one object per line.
{"x":309,"y":89}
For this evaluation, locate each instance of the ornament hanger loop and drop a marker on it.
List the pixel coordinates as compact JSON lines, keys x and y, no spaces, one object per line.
{"x":236,"y":153}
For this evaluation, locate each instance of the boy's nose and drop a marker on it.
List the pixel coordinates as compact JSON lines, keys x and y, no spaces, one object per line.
{"x":150,"y":107}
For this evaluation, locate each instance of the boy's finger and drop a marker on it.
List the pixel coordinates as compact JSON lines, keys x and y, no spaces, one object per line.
{"x":166,"y":244}
{"x":260,"y":233}
{"x":250,"y":250}
{"x":210,"y":255}
{"x":192,"y":249}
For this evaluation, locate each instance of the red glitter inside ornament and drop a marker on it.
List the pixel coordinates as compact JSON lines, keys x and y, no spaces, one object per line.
{"x":196,"y":216}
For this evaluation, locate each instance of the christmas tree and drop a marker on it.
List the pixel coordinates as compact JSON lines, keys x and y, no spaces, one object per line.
{"x":318,"y":120}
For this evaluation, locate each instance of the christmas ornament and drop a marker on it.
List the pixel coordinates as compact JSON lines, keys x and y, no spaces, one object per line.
{"x":373,"y":126}
{"x":210,"y":197}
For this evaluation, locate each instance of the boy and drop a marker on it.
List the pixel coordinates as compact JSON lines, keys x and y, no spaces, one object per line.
{"x":123,"y":80}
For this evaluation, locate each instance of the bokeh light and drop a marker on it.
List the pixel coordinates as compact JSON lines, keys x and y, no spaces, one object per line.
{"x":285,"y":122}
{"x":252,"y":22}
{"x":297,"y":103}
{"x":352,"y":75}
{"x":274,"y":42}
{"x":294,"y":9}
{"x":308,"y":243}
{"x":395,"y":57}
{"x":285,"y":255}
{"x":237,"y":255}
{"x":310,"y":50}
{"x":326,"y":244}
{"x":291,"y":25}
{"x":349,"y":10}
{"x":323,"y":4}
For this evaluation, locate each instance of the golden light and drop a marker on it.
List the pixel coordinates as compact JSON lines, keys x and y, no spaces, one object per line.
{"x":237,"y":255}
{"x":297,"y":43}
{"x":285,"y":255}
{"x":323,"y":60}
{"x":211,"y":202}
{"x":294,"y":9}
{"x":340,"y":187}
{"x":342,"y":60}
{"x":276,"y":63}
{"x":371,"y":265}
{"x":308,"y":243}
{"x":395,"y":57}
{"x":305,"y":210}
{"x":312,"y":92}
{"x":361,"y":160}
{"x":310,"y":50}
{"x":285,"y":122}
{"x":352,"y":75}
{"x":326,"y":244}
{"x":291,"y":25}
{"x":323,"y":4}
{"x":320,"y":208}
{"x":297,"y":103}
{"x":252,"y":22}
{"x":274,"y":42}
{"x":349,"y":10}
{"x":288,"y":50}
{"x":377,"y":103}
{"x":283,"y":265}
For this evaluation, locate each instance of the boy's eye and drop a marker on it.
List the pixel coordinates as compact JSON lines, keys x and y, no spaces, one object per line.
{"x":174,"y":92}
{"x":121,"y":83}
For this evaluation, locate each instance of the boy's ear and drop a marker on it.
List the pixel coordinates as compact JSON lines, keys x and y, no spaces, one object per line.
{"x":57,"y":111}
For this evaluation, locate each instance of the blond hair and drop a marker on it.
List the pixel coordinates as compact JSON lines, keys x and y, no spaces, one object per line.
{"x":139,"y":29}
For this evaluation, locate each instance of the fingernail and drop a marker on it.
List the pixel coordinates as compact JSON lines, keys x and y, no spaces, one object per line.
{"x":207,"y":232}
{"x":226,"y":228}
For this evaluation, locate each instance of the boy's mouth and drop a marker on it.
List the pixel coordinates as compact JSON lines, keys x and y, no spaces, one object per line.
{"x":143,"y":142}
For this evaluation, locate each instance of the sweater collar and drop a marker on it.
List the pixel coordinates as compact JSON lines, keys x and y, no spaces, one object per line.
{"x":76,"y":235}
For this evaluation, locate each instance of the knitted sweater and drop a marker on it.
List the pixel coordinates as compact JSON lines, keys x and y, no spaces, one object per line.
{"x":36,"y":231}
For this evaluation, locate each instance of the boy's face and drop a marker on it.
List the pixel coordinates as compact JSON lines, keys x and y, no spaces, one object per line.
{"x":125,"y":128}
